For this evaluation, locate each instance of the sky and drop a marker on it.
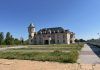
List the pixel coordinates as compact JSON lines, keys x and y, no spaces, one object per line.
{"x":79,"y":16}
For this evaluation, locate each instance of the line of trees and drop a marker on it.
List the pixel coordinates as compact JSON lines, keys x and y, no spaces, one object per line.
{"x":80,"y":40}
{"x":10,"y":40}
{"x":95,"y":42}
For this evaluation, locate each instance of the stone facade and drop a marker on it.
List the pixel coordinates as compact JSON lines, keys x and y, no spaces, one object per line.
{"x":56,"y":35}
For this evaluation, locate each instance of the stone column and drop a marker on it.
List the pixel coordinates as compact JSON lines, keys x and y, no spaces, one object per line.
{"x":49,"y":40}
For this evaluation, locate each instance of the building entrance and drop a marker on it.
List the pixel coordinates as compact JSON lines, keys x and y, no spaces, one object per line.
{"x":46,"y":42}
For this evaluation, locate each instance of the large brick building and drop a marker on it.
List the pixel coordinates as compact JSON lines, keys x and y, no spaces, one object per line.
{"x":56,"y":35}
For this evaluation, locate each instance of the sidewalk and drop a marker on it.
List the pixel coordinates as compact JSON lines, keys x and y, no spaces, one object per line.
{"x":87,"y":56}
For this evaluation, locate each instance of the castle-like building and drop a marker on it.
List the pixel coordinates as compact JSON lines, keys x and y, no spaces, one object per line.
{"x":56,"y":35}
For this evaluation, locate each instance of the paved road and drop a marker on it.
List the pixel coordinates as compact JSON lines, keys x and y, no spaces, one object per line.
{"x":89,"y":55}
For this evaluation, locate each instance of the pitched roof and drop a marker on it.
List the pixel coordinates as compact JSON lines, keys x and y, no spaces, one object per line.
{"x":53,"y":30}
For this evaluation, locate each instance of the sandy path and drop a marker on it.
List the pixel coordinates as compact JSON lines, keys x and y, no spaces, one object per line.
{"x":37,"y":65}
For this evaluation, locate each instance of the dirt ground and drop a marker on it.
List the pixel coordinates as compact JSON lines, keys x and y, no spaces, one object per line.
{"x":38,"y":65}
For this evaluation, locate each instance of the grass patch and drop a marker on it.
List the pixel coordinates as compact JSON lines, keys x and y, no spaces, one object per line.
{"x":57,"y":45}
{"x":53,"y":47}
{"x":58,"y":54}
{"x":69,"y":57}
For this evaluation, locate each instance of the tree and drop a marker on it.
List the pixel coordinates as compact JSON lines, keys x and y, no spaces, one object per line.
{"x":12,"y":40}
{"x":26,"y":42}
{"x":16,"y":41}
{"x":8,"y":39}
{"x":80,"y":40}
{"x":22,"y":41}
{"x":1,"y":38}
{"x":76,"y":40}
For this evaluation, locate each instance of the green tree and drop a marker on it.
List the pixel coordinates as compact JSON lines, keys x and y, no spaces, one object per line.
{"x":82,"y":40}
{"x":22,"y":41}
{"x":8,"y":39}
{"x":12,"y":40}
{"x":76,"y":40}
{"x":16,"y":41}
{"x":1,"y":38}
{"x":26,"y":42}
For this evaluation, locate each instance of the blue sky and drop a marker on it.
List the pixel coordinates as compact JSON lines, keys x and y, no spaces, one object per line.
{"x":80,"y":16}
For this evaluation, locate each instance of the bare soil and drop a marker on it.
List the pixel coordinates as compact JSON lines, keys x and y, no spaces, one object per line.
{"x":38,"y":65}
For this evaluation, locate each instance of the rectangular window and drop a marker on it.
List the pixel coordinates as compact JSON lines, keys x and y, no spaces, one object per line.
{"x":35,"y":42}
{"x":31,"y":40}
{"x":63,"y":41}
{"x":58,"y":41}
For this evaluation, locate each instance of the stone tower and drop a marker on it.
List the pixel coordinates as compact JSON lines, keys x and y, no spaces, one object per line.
{"x":31,"y":31}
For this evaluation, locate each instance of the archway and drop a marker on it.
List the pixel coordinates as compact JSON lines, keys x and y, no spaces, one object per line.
{"x":46,"y":42}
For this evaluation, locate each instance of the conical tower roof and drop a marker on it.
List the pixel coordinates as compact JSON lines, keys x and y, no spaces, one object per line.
{"x":31,"y":25}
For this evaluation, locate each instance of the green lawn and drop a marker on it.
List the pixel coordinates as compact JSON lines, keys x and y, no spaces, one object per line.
{"x":36,"y":52}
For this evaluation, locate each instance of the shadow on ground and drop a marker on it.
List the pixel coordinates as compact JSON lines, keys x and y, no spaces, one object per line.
{"x":95,"y":49}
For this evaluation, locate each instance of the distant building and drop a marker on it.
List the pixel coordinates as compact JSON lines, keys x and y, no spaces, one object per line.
{"x":56,"y":35}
